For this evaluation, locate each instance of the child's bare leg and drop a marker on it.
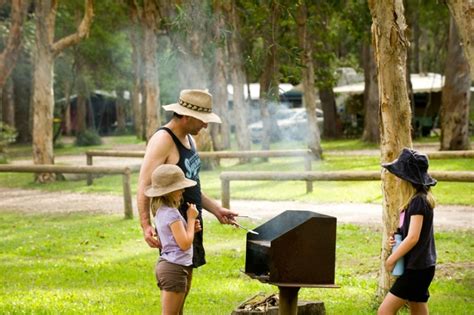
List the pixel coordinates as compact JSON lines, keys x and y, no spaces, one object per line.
{"x":390,"y":305}
{"x":171,"y":302}
{"x":189,"y":279}
{"x":418,"y":308}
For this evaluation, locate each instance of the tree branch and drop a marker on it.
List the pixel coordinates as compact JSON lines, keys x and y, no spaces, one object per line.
{"x":10,"y":54}
{"x":82,"y":30}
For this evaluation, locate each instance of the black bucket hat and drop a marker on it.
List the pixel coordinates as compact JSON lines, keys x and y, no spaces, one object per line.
{"x":411,"y":166}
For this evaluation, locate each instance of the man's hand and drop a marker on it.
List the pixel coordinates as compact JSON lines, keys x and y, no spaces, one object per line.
{"x":150,"y":237}
{"x":226,"y":216}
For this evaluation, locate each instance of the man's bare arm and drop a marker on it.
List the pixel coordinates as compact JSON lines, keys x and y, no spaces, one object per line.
{"x":225,"y":216}
{"x":156,"y":153}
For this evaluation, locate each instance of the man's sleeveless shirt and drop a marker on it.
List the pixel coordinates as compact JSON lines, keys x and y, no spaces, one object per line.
{"x":190,"y":164}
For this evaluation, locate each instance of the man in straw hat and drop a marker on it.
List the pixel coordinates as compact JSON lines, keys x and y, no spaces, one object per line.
{"x":173,"y":144}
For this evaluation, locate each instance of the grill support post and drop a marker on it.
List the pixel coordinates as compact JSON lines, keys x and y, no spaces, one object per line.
{"x":288,"y":302}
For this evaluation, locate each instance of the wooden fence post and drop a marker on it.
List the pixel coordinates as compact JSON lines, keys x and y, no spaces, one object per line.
{"x":127,"y":194}
{"x":89,"y":161}
{"x":225,"y":189}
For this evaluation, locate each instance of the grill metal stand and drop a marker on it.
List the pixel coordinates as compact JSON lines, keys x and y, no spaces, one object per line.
{"x":288,"y":302}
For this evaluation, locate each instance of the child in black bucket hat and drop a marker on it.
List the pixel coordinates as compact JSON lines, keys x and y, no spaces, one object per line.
{"x":416,"y":224}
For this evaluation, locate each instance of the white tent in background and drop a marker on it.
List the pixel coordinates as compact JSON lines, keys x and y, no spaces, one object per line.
{"x":255,"y":90}
{"x":421,"y":83}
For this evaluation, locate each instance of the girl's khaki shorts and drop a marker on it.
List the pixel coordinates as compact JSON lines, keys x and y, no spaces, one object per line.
{"x":172,"y":277}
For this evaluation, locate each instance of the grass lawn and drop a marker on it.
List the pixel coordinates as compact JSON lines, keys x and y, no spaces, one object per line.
{"x":97,"y":264}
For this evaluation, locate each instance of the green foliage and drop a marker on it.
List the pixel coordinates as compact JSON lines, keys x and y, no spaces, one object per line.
{"x":99,"y":264}
{"x":8,"y":135}
{"x":104,"y":58}
{"x":88,"y":137}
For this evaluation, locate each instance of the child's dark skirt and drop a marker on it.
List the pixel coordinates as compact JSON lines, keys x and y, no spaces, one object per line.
{"x":413,"y":285}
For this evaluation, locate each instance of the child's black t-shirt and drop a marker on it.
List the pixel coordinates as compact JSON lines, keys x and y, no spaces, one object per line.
{"x":423,"y":254}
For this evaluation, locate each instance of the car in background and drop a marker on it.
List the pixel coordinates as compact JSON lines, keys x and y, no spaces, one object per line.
{"x":291,"y":124}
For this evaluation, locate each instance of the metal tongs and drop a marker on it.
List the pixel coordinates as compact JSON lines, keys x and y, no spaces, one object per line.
{"x":248,"y":216}
{"x":244,"y":228}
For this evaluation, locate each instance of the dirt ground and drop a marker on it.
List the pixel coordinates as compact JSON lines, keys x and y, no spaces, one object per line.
{"x":36,"y":201}
{"x":25,"y":201}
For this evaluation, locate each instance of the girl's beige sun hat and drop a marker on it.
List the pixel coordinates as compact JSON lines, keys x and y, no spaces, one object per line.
{"x":167,"y":178}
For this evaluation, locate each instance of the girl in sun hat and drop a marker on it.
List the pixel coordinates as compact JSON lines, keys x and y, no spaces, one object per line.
{"x":416,"y":224}
{"x":174,"y":267}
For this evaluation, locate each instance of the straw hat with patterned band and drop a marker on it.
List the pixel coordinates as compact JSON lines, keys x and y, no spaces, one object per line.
{"x":194,"y":103}
{"x":411,"y":166}
{"x":167,"y":178}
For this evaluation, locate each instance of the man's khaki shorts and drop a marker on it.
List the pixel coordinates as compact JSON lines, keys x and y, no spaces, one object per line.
{"x":172,"y":277}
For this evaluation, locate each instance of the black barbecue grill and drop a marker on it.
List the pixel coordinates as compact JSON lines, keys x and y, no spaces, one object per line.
{"x":293,"y":250}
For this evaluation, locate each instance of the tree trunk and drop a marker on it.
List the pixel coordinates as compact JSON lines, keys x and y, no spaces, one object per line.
{"x":309,"y":91}
{"x":203,"y":144}
{"x":151,"y":80}
{"x":388,"y":33}
{"x":416,"y":47}
{"x":415,"y":65}
{"x":269,"y":81}
{"x":81,"y":100}
{"x":332,"y":124}
{"x":120,"y":112}
{"x":43,"y":102}
{"x":194,"y":74}
{"x":463,"y":13}
{"x":191,"y":55}
{"x":371,"y":97}
{"x":22,"y":90}
{"x":43,"y":95}
{"x":238,"y":79}
{"x":136,"y":39}
{"x":67,"y":109}
{"x":455,"y":96}
{"x":220,"y":133}
{"x":10,"y":54}
{"x":8,"y":104}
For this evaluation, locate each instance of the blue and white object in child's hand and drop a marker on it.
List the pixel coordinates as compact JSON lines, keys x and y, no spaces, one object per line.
{"x":399,"y":266}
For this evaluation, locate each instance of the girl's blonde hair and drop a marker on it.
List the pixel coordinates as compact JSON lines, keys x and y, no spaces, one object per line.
{"x":165,"y":200}
{"x":409,"y":191}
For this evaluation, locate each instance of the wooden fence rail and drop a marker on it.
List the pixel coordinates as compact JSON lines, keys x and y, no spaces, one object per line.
{"x":260,"y":153}
{"x":439,"y":155}
{"x":306,"y":154}
{"x":70,"y":169}
{"x":227,"y":177}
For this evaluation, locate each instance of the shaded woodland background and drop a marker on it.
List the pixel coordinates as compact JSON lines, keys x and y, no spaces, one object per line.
{"x":106,"y":67}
